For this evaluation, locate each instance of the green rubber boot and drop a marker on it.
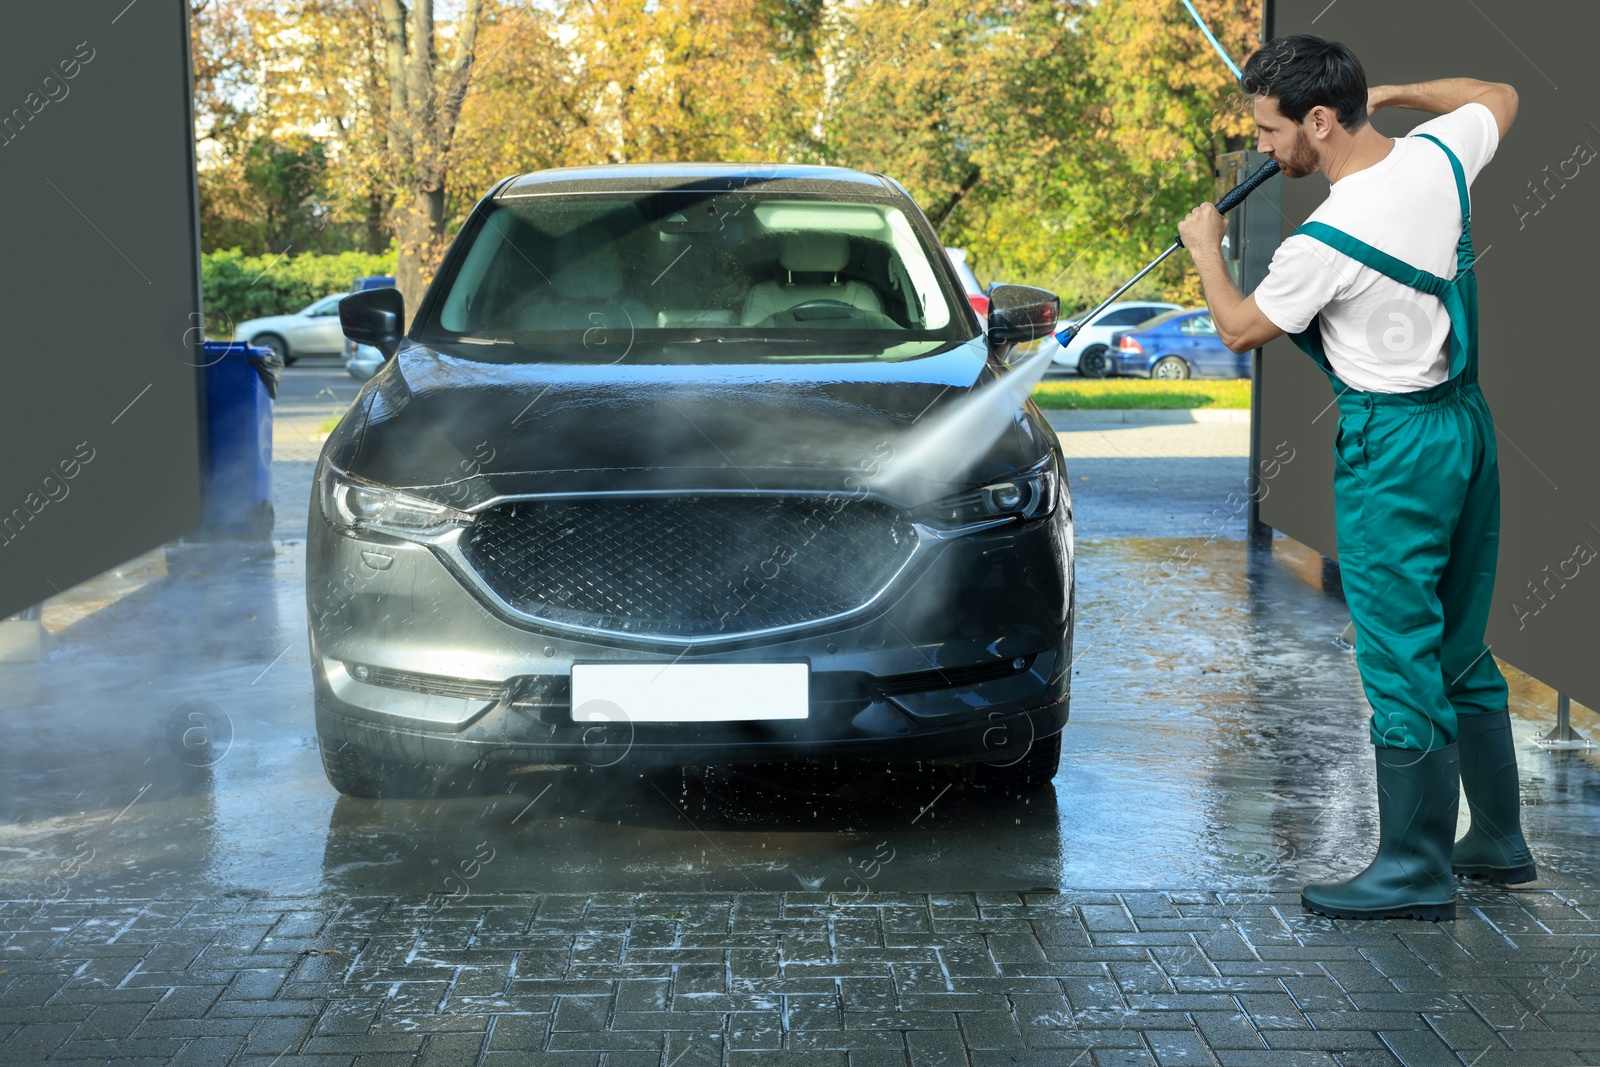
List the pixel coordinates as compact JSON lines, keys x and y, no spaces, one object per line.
{"x":1410,"y":878}
{"x":1493,"y":847}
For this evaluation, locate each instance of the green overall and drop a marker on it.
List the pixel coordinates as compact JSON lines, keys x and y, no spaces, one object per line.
{"x":1417,"y":516}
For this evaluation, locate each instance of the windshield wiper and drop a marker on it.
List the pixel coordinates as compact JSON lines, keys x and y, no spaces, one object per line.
{"x":740,"y":340}
{"x":485,"y":341}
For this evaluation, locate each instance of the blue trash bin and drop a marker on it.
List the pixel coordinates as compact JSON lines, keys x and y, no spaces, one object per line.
{"x":241,"y":383}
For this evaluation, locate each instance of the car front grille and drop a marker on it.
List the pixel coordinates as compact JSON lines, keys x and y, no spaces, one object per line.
{"x":686,"y":567}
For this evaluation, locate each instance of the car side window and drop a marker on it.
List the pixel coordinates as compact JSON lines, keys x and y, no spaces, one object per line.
{"x":1121,"y":317}
{"x":1200,"y":325}
{"x":330,"y":307}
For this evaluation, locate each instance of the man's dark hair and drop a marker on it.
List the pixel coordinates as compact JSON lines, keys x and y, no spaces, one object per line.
{"x":1304,"y":71}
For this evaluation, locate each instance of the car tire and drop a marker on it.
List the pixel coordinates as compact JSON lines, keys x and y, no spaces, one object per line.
{"x":1170,"y":368}
{"x":1095,"y":362}
{"x":1035,"y":770}
{"x":351,"y":771}
{"x":277,"y":344}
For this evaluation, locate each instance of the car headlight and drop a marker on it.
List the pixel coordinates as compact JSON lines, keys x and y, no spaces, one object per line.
{"x":1030,"y":494}
{"x":359,"y":504}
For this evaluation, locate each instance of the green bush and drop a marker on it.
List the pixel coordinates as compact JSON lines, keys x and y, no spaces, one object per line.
{"x":239,"y":287}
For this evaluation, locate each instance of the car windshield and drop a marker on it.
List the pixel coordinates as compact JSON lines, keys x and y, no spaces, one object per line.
{"x":562,"y":278}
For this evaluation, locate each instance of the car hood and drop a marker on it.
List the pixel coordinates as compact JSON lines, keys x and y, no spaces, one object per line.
{"x":441,"y":423}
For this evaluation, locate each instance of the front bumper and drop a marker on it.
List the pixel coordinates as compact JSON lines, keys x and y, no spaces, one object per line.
{"x":964,"y":658}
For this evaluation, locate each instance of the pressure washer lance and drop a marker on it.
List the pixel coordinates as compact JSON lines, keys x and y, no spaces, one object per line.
{"x":971,"y":425}
{"x":1233,"y":199}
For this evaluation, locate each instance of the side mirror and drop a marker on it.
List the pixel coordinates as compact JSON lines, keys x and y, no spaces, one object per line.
{"x":375,"y":317}
{"x":1019,"y":313}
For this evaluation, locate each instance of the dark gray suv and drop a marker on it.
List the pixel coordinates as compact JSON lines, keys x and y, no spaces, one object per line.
{"x":615,"y":496}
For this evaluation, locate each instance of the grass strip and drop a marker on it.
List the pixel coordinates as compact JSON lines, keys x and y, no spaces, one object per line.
{"x":1142,"y":393}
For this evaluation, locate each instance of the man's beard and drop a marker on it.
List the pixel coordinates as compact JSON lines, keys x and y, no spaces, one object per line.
{"x":1302,"y":159}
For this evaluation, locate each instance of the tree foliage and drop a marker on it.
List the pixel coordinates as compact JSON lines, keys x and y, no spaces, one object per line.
{"x":240,"y":287}
{"x":1060,"y":141}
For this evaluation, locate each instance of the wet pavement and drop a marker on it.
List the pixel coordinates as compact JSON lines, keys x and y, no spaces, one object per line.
{"x":183,"y":885}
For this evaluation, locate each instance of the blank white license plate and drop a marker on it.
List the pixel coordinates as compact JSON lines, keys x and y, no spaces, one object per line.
{"x":689,"y":692}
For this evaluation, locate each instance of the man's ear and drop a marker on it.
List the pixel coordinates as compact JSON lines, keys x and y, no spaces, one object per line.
{"x":1323,"y":120}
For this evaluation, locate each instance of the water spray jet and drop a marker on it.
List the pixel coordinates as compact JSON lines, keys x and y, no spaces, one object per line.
{"x":971,"y":426}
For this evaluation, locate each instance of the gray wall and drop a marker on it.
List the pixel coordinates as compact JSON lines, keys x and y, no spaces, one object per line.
{"x":1537,"y":284}
{"x":101,"y":277}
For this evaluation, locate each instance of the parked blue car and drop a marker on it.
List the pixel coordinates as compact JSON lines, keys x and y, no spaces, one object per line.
{"x":1179,"y":344}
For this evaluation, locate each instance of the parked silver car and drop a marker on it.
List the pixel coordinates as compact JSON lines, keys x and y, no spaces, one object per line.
{"x":361,"y":361}
{"x":311,"y":331}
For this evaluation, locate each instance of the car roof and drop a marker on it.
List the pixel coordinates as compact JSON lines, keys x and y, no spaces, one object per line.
{"x":643,"y":177}
{"x":1166,"y":317}
{"x":1078,"y":314}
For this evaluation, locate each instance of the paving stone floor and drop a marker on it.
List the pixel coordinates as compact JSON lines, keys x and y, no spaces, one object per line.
{"x":1176,"y":977}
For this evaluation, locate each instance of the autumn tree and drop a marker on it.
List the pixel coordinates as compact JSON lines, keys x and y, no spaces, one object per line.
{"x":1155,"y":107}
{"x":334,"y":80}
{"x":425,"y":98}
{"x":528,"y":103}
{"x":1059,"y":140}
{"x":282,"y":130}
{"x":682,"y":80}
{"x":969,"y":105}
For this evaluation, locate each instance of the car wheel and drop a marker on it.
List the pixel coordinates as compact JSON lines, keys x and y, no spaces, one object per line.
{"x":1171,"y":368}
{"x":1095,"y":362}
{"x":1035,"y":770}
{"x":277,"y":344}
{"x":351,"y":771}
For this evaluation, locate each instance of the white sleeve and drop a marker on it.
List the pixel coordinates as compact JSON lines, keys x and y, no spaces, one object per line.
{"x":1470,"y":132}
{"x":1303,"y":277}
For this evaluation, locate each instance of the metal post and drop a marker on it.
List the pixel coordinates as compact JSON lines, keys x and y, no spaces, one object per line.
{"x":1346,"y":641}
{"x":1562,"y":735}
{"x":1259,"y":534}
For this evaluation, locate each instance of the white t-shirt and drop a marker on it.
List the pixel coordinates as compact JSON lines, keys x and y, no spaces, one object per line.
{"x":1381,"y":336}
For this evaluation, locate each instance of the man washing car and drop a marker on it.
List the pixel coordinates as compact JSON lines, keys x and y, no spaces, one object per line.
{"x":1378,"y":288}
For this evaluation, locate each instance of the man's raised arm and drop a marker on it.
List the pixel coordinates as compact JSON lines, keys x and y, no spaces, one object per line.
{"x":1445,"y":95}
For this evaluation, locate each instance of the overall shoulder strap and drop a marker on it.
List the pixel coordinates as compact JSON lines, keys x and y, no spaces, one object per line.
{"x":1461,"y":177}
{"x":1377,"y":259}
